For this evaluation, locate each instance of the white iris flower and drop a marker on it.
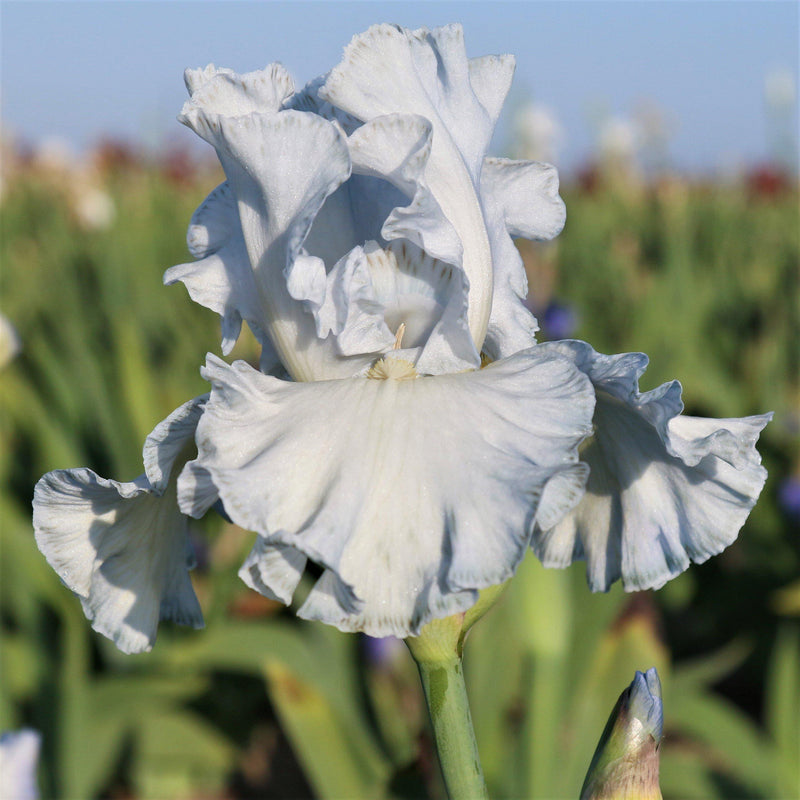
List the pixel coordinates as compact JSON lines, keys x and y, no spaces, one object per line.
{"x":366,"y":238}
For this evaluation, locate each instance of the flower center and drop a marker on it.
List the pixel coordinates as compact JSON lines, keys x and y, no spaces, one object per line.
{"x":412,"y":287}
{"x":397,"y":369}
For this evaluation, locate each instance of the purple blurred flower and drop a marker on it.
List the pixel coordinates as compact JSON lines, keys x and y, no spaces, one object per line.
{"x":381,"y":651}
{"x":559,"y":321}
{"x":789,"y":496}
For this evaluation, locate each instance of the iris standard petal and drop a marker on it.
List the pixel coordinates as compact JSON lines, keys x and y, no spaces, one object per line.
{"x":281,"y":168}
{"x":521,"y":199}
{"x":378,"y":300}
{"x":309,"y":99}
{"x":664,"y":490}
{"x":386,"y":197}
{"x":222,"y":278}
{"x":490,"y":78}
{"x":416,"y":149}
{"x":124,"y":547}
{"x":389,"y":70}
{"x":396,"y":149}
{"x":385,"y":169}
{"x":418,"y":247}
{"x":264,"y":90}
{"x":428,"y":297}
{"x":358,"y":476}
{"x":527,"y":191}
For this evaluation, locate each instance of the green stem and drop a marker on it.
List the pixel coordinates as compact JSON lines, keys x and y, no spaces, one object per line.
{"x":437,"y":651}
{"x":446,"y":696}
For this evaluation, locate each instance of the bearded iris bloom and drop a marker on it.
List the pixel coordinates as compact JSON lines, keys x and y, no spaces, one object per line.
{"x":365,"y":237}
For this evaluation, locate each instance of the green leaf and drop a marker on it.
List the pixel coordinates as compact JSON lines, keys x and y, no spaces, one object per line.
{"x":783,"y":708}
{"x":334,"y":764}
{"x":494,"y":686}
{"x":733,"y":742}
{"x":685,"y":773}
{"x":707,"y":670}
{"x":179,"y":755}
{"x":316,"y":656}
{"x":112,"y":709}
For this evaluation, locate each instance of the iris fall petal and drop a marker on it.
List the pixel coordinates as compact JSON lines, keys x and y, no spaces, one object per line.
{"x":358,"y":476}
{"x":664,"y":489}
{"x":123,"y":548}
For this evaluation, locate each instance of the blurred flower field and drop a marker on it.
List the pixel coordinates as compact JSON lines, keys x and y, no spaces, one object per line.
{"x":703,"y":276}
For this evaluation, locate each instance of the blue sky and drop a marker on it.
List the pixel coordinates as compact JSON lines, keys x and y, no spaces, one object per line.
{"x":78,"y":70}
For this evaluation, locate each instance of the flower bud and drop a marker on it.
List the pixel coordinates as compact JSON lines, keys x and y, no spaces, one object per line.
{"x":625,"y":763}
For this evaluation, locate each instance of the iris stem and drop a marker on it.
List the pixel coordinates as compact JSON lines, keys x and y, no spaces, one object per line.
{"x":446,"y":696}
{"x":438,"y":650}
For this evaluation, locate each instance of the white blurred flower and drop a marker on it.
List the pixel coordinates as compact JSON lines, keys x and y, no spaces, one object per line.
{"x":94,"y":207}
{"x":619,"y":140}
{"x":54,"y":154}
{"x":780,"y":88}
{"x":10,"y":344}
{"x":19,"y":758}
{"x":77,"y":181}
{"x":538,"y":135}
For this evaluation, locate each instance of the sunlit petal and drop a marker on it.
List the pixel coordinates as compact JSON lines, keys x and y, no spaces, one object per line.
{"x":396,"y":148}
{"x":234,"y":95}
{"x":490,"y":78}
{"x":358,"y":476}
{"x":390,"y":70}
{"x":281,"y":168}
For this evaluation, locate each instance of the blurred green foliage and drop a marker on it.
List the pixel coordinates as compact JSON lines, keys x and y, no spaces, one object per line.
{"x":703,"y":278}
